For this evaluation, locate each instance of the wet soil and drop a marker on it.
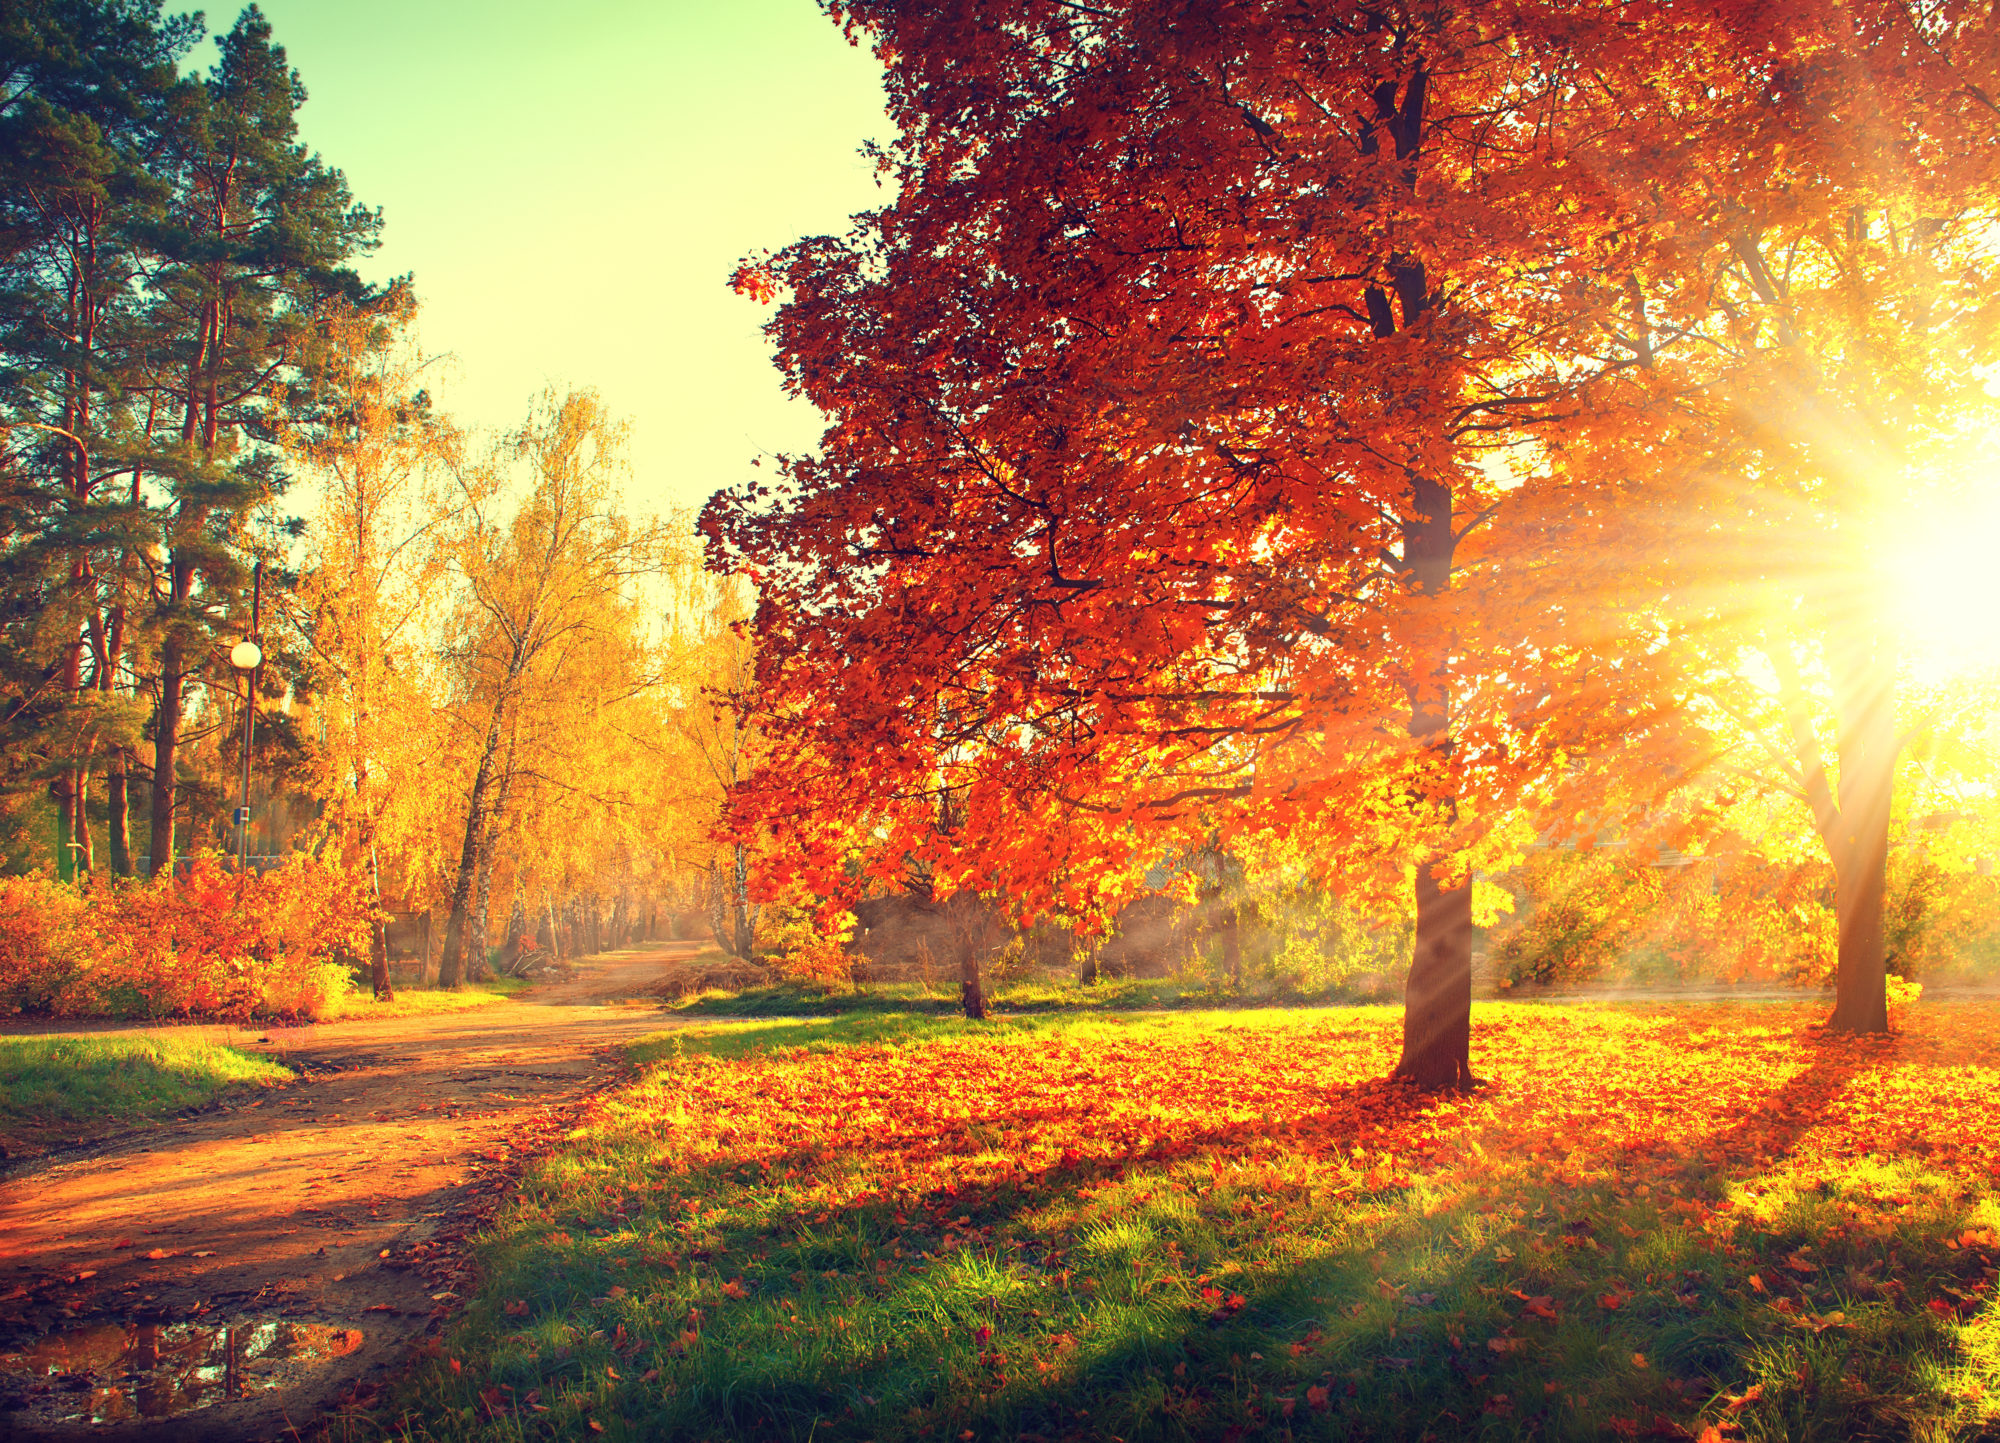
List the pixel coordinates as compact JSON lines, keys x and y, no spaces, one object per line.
{"x":237,"y":1274}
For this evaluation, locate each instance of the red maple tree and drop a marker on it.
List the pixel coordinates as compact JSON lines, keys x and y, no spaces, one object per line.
{"x":1243,"y":418}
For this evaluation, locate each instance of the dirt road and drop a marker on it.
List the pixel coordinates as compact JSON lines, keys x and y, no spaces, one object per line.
{"x":236,"y":1274}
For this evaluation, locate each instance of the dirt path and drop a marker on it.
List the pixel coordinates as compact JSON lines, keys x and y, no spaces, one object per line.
{"x":290,"y":1249}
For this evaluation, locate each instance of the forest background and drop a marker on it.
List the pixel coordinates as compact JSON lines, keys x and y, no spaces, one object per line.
{"x":490,"y":689}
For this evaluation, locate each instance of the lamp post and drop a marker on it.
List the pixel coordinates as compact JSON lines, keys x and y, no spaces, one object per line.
{"x":247,"y":657}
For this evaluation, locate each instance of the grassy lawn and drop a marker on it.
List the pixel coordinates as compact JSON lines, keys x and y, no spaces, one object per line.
{"x":53,"y":1089}
{"x":428,"y":1002}
{"x":1653,"y":1222}
{"x":811,"y":999}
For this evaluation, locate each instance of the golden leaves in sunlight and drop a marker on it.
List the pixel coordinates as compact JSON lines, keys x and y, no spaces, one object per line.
{"x":1573,"y":1094}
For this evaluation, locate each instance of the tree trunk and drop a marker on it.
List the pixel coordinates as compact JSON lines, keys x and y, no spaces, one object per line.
{"x":166,"y":750}
{"x":968,"y":926}
{"x":1437,"y":1000}
{"x":743,"y":915}
{"x":971,"y":996}
{"x":86,"y":858}
{"x":475,"y":962}
{"x":450,"y":963}
{"x":378,"y":926}
{"x":62,"y":796}
{"x":1860,"y":844}
{"x":378,"y":958}
{"x":118,"y":806}
{"x":1232,"y":948}
{"x":517,"y":935}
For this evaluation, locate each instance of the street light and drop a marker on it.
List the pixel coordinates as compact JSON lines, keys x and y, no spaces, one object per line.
{"x":246,"y":656}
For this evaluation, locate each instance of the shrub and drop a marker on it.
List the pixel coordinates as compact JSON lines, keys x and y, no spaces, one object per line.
{"x":42,"y":941}
{"x":1607,"y":915}
{"x":211,"y":943}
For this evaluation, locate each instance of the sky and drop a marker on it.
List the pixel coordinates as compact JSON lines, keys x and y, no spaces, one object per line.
{"x":572,"y":185}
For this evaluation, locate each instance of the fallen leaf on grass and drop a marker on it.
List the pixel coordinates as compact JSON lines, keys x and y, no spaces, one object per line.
{"x":1738,"y":1401}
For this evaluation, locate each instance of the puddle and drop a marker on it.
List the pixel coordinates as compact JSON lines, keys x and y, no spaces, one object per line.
{"x":120,"y":1371}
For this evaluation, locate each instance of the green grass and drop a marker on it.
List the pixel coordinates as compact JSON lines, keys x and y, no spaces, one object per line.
{"x":811,"y":999}
{"x":428,"y":1001}
{"x":57,"y":1088}
{"x":677,"y":1273}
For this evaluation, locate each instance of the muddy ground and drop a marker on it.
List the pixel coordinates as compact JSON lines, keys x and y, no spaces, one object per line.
{"x":238,"y":1274}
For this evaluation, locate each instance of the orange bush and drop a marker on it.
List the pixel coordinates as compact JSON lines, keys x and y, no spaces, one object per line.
{"x":212,"y":943}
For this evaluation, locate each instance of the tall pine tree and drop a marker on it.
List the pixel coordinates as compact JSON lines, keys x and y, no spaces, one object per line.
{"x":256,"y":247}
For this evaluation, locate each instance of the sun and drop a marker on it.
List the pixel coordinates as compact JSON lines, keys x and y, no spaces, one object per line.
{"x":1941,"y":562}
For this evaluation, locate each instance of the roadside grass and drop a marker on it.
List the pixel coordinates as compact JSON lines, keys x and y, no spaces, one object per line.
{"x":428,"y":1001}
{"x":1661,"y":1222}
{"x":793,"y":998}
{"x":53,"y":1089}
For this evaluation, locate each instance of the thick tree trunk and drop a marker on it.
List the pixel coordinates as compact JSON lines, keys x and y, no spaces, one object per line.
{"x":971,"y":995}
{"x":1860,"y":843}
{"x":475,"y":961}
{"x":1437,"y":999}
{"x":968,"y":925}
{"x":166,"y":752}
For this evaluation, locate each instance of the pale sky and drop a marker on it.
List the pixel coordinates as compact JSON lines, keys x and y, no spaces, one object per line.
{"x":572,"y":185}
